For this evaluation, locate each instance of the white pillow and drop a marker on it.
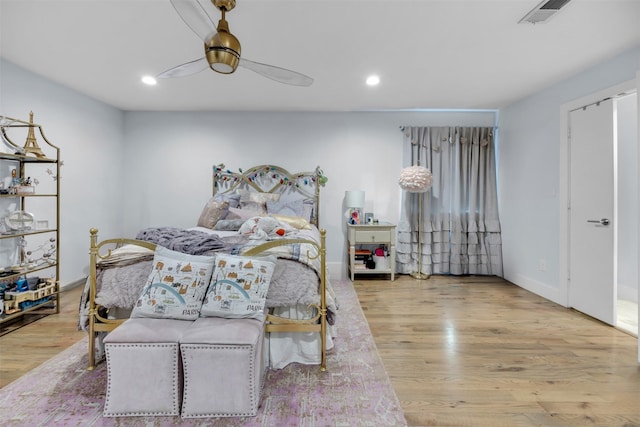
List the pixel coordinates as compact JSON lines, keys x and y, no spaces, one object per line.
{"x":175,"y":287}
{"x":286,"y":207}
{"x":235,"y":213}
{"x":239,"y":287}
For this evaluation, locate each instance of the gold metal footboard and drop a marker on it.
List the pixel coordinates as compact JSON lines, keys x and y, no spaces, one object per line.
{"x":97,"y":322}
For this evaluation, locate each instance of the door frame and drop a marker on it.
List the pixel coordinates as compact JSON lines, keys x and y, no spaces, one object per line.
{"x":563,"y":190}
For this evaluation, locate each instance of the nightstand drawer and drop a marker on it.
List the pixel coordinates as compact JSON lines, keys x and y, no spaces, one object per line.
{"x":373,"y":236}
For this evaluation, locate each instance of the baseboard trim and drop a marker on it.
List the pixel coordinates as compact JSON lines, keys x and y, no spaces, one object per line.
{"x":74,"y":284}
{"x":539,"y":288}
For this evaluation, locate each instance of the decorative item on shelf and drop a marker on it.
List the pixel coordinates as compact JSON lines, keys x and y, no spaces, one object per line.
{"x":354,"y":201}
{"x":25,"y":190}
{"x":368,"y":217}
{"x":19,"y":220}
{"x":417,"y":179}
{"x":380,"y":258}
{"x":31,"y":144}
{"x":40,"y":256}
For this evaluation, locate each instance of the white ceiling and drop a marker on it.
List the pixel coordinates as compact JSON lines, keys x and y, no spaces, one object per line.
{"x":429,"y":54}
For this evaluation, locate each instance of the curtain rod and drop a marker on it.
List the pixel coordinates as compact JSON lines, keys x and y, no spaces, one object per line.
{"x":402,"y":128}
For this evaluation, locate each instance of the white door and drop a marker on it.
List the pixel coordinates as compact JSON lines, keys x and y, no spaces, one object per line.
{"x":591,"y":217}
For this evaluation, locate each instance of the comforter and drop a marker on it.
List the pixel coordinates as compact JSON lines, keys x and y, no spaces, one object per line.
{"x":294,"y":281}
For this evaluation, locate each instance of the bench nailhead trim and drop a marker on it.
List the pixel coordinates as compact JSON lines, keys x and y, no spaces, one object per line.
{"x":176,"y":403}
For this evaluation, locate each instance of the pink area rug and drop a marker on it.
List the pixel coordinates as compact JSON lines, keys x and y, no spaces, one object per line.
{"x":355,"y":390}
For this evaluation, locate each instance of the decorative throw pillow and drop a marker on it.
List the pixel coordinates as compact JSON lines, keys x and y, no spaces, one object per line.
{"x":256,"y":201}
{"x":256,"y":197}
{"x":213,"y":212}
{"x":286,"y":207}
{"x":175,"y":287}
{"x":233,"y":198}
{"x":245,"y":214}
{"x":308,"y":205}
{"x":294,"y":221}
{"x":239,"y":287}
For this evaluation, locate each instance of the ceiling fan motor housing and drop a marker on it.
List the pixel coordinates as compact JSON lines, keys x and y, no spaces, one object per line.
{"x":223,"y":50}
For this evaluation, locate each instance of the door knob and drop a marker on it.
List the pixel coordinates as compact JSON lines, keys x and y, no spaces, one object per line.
{"x":603,"y":221}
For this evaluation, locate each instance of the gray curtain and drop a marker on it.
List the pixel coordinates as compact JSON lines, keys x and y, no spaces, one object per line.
{"x":460,"y":222}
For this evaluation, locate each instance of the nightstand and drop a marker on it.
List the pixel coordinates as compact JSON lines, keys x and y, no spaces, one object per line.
{"x":369,"y":237}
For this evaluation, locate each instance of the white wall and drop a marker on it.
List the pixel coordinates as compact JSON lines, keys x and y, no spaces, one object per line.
{"x":90,"y":136}
{"x":529,"y":177}
{"x":169,"y":159}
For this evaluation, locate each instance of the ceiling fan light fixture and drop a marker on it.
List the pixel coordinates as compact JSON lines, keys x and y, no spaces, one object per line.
{"x":223,"y":50}
{"x":223,"y":60}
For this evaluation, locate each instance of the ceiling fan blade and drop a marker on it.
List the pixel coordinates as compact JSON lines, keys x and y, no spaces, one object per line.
{"x":195,"y":15}
{"x":278,"y":74}
{"x":187,"y":69}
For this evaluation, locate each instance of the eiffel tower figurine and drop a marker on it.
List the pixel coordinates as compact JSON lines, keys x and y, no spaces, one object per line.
{"x":31,"y":145}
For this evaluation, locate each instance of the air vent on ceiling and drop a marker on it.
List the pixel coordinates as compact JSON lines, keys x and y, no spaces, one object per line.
{"x":543,"y":11}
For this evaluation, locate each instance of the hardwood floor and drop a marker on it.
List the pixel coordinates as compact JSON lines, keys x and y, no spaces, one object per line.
{"x":480,"y":351}
{"x":29,"y":346}
{"x":470,"y":351}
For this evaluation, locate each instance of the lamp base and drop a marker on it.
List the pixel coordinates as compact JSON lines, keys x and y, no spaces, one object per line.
{"x":419,"y":275}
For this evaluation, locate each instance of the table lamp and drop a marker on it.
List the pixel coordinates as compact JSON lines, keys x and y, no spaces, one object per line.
{"x":354,"y":200}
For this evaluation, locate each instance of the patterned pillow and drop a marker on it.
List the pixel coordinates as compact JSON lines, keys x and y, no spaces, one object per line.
{"x":213,"y":211}
{"x":175,"y":287}
{"x":239,"y":287}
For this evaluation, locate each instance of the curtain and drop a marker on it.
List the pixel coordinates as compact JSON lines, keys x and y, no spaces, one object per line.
{"x":460,"y":229}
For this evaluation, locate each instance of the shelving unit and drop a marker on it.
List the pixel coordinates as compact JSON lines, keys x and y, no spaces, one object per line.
{"x":29,"y":220}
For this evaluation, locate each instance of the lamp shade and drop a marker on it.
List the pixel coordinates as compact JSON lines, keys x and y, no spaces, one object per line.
{"x":415,"y":179}
{"x":354,"y":198}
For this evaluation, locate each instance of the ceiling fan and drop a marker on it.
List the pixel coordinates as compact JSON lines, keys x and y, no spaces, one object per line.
{"x":221,"y":48}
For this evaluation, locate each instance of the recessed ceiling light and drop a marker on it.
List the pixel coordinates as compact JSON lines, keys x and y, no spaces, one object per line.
{"x":149,"y":80}
{"x":373,"y":80}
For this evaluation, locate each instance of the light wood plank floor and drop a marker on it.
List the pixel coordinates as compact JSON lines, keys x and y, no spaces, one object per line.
{"x":471,"y":351}
{"x":35,"y":343}
{"x":480,"y":351}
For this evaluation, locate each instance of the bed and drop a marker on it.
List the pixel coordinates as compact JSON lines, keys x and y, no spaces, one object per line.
{"x":262,"y":211}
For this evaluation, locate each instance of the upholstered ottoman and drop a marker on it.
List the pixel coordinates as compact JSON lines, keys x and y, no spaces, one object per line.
{"x":143,"y":367}
{"x":224,"y":364}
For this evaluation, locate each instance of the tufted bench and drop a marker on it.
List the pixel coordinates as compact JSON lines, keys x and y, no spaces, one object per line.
{"x":224,"y":364}
{"x":144,"y":373}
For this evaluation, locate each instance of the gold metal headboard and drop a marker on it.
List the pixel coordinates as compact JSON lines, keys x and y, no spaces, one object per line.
{"x":271,"y":179}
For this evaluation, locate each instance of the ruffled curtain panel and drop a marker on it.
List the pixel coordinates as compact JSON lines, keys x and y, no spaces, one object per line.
{"x":460,"y":222}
